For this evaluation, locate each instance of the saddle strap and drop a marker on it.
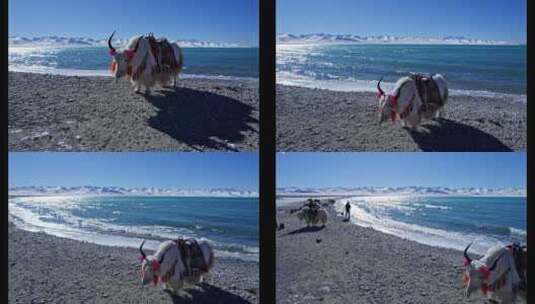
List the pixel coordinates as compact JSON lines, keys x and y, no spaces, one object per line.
{"x":423,"y":91}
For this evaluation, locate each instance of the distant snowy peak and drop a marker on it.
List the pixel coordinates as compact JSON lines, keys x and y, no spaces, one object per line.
{"x":414,"y":190}
{"x":319,"y":38}
{"x":148,"y":191}
{"x":119,"y":42}
{"x":52,"y":40}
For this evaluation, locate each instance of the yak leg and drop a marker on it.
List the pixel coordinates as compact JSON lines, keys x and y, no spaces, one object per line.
{"x":414,"y":123}
{"x":441,"y":113}
{"x":136,"y":86}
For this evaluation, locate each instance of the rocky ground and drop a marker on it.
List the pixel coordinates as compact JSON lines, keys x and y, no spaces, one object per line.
{"x":70,"y":113}
{"x":47,"y":269}
{"x":346,"y":263}
{"x":323,"y":120}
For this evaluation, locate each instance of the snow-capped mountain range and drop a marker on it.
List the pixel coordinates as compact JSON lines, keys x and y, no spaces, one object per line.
{"x":148,"y":191}
{"x":119,"y":42}
{"x":319,"y":38}
{"x":413,"y":190}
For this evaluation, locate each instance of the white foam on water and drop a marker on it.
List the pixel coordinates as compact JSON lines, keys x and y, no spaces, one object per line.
{"x":519,"y":232}
{"x":368,"y":212}
{"x":40,"y":69}
{"x":217,"y":77}
{"x":429,"y":206}
{"x":237,"y":255}
{"x":34,"y":214}
{"x":341,"y":85}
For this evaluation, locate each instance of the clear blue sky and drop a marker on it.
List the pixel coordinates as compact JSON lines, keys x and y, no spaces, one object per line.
{"x":493,"y":170}
{"x":220,"y":20}
{"x":484,"y":19}
{"x":181,"y":170}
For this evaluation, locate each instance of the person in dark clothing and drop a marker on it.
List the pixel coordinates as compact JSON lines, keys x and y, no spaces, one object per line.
{"x":348,"y":211}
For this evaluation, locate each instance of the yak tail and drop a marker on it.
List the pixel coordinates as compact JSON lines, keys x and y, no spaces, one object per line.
{"x":181,"y":63}
{"x":179,"y":57}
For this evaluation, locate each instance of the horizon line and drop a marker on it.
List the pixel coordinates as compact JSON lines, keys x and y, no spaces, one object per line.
{"x":411,"y":186}
{"x":136,"y":187}
{"x":415,"y":36}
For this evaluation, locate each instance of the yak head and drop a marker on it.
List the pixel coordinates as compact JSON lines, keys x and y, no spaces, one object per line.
{"x":476,"y":273}
{"x":472,"y":276}
{"x":150,"y":267}
{"x":120,"y":65}
{"x":385,"y":104}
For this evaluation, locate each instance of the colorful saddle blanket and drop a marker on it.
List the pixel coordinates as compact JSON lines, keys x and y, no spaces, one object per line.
{"x":192,"y":255}
{"x":163,"y":53}
{"x":427,"y":89}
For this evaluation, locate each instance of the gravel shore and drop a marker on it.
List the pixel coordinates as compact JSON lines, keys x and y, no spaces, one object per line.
{"x":70,"y":113}
{"x":346,"y":263}
{"x":323,"y":120}
{"x":47,"y":269}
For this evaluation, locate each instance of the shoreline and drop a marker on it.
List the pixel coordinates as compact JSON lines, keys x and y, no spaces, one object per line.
{"x":106,"y":73}
{"x":122,"y":238}
{"x":323,"y":120}
{"x":92,"y":113}
{"x":362,"y":265}
{"x":59,"y":270}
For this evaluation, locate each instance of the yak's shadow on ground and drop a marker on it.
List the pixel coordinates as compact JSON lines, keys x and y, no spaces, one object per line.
{"x":201,"y":119}
{"x":451,"y":136}
{"x":305,"y":230}
{"x":206,"y":294}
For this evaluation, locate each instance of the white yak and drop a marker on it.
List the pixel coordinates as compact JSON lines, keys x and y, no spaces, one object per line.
{"x":414,"y":98}
{"x":495,"y":274}
{"x":167,"y":266}
{"x":142,"y":67}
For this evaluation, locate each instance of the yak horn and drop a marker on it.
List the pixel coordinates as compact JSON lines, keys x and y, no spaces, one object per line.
{"x":379,"y":87}
{"x":141,"y":250}
{"x":109,"y":42}
{"x":466,"y":253}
